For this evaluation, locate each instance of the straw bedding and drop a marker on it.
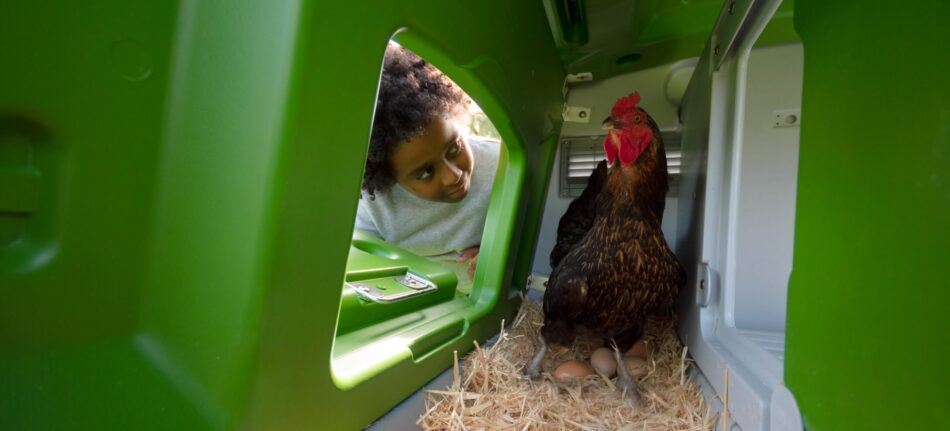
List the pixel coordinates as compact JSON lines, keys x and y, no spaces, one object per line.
{"x":489,"y":391}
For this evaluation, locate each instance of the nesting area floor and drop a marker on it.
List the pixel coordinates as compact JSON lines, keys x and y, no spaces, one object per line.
{"x":489,"y":391}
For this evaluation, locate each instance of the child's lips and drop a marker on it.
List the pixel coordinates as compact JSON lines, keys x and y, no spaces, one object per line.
{"x":460,"y":190}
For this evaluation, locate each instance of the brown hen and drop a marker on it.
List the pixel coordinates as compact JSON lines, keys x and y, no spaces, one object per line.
{"x":622,"y":269}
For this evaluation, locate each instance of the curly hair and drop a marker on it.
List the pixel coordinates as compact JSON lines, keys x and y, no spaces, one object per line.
{"x":412,"y":93}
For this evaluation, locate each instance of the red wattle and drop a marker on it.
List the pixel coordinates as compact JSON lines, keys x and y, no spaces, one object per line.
{"x":633,"y":141}
{"x":610,"y":149}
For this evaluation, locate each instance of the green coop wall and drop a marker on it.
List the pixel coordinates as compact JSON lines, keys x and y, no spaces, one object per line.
{"x":184,"y":183}
{"x":868,"y":294}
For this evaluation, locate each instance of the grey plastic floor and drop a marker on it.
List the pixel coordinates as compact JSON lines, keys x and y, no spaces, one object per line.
{"x":406,"y":413}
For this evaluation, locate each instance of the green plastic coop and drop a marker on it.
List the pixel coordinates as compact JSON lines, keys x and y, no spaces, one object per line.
{"x":179,"y":180}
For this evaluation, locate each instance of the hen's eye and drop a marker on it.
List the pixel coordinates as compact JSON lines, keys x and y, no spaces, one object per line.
{"x":636,"y":118}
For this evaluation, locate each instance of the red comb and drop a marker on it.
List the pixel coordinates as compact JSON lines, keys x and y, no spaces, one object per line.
{"x":625,"y":103}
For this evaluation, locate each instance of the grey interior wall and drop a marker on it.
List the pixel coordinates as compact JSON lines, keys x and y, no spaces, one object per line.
{"x":768,"y":174}
{"x":600,"y":96}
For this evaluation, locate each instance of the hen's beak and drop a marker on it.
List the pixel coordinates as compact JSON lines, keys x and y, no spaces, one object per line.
{"x":609,"y":123}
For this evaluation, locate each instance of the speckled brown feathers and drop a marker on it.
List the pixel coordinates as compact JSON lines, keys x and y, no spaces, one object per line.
{"x":579,"y":217}
{"x":621,"y":270}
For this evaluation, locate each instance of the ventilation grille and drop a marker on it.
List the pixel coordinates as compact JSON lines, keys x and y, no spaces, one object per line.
{"x":580,"y":155}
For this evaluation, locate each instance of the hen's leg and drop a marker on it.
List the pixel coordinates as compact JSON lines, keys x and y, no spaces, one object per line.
{"x":534,"y":369}
{"x":625,"y":382}
{"x":625,"y":339}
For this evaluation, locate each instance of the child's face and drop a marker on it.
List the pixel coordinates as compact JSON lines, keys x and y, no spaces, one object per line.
{"x":436,"y":165}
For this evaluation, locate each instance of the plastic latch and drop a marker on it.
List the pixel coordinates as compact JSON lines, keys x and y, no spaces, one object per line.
{"x":573,"y":78}
{"x":787,"y":118}
{"x":576,"y":114}
{"x":707,"y":284}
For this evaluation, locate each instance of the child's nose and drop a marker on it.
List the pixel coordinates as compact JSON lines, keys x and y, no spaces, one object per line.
{"x":452,"y":174}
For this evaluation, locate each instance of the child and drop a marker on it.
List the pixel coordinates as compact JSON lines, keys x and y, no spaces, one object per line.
{"x":426,"y":187}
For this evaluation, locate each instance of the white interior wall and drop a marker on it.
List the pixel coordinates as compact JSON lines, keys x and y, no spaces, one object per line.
{"x":768,"y":174}
{"x":600,"y":96}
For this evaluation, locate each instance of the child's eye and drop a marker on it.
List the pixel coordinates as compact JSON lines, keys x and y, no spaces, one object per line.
{"x":426,"y":174}
{"x":456,"y":147}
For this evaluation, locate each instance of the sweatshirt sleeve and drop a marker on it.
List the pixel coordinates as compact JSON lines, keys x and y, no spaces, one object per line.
{"x":364,"y":221}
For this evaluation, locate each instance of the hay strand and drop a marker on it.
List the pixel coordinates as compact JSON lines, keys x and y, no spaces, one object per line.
{"x":725,"y":398}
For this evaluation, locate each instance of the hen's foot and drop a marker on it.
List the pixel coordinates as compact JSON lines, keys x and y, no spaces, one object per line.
{"x":533,"y":371}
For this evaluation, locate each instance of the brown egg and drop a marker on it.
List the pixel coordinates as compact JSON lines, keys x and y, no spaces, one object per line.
{"x":571,"y":370}
{"x":640,"y":349}
{"x":603,"y":360}
{"x":637,"y":367}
